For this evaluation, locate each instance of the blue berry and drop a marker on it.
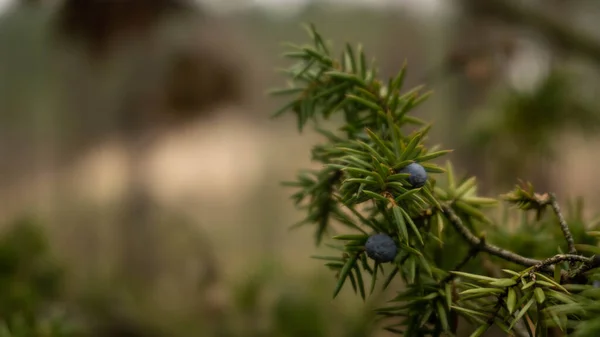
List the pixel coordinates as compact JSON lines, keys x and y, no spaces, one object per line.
{"x":418,"y":175}
{"x":596,"y":284}
{"x":381,"y":248}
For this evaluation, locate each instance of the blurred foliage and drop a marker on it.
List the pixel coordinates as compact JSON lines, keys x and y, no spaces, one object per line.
{"x":30,"y":283}
{"x":33,"y":302}
{"x":520,"y":127}
{"x":267,"y":305}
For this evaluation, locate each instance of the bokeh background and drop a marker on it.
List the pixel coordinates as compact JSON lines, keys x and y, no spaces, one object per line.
{"x":136,"y":136}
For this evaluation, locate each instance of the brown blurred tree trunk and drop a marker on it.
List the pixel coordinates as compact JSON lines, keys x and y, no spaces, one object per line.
{"x":187,"y":82}
{"x":170,"y":65}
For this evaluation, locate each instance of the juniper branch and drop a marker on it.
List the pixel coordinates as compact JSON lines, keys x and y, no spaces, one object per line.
{"x":591,"y":263}
{"x":561,"y":258}
{"x":563,"y":224}
{"x":473,"y":240}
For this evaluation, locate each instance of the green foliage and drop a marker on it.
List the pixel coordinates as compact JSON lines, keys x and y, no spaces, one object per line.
{"x":32,"y":303}
{"x":292,"y":312}
{"x":267,"y":304}
{"x":30,"y":282}
{"x":440,"y":228}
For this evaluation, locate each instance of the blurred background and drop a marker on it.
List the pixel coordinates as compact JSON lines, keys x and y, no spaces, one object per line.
{"x":140,"y":173}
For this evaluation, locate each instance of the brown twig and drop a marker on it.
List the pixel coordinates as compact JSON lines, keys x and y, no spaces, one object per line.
{"x":591,"y":263}
{"x":560,"y":258}
{"x":507,"y":255}
{"x":563,"y":224}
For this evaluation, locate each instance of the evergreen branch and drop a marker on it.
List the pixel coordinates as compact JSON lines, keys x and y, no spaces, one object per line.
{"x":486,"y":247}
{"x":589,"y":264}
{"x":560,"y":258}
{"x":526,"y":199}
{"x":545,"y":265}
{"x":378,"y":161}
{"x":563,"y":224}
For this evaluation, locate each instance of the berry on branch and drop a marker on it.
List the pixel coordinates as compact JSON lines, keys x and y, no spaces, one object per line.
{"x":381,"y":248}
{"x":418,"y":175}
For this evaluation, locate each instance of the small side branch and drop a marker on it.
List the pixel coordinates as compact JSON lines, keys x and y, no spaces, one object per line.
{"x":591,"y":263}
{"x":486,"y":247}
{"x":563,"y":224}
{"x":561,"y":258}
